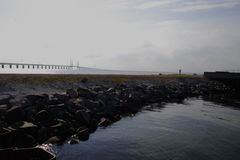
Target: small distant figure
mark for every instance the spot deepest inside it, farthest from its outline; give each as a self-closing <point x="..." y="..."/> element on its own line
<point x="180" y="71"/>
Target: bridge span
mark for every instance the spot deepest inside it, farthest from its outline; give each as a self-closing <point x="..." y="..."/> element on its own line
<point x="18" y="68"/>
<point x="35" y="66"/>
<point x="29" y="68"/>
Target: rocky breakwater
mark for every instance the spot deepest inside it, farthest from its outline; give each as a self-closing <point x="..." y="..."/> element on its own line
<point x="72" y="116"/>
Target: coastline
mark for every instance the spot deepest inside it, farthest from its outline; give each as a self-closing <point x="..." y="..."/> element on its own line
<point x="40" y="109"/>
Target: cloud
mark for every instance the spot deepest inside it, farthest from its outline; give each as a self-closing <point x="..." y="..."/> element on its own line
<point x="185" y="6"/>
<point x="132" y="37"/>
<point x="154" y="4"/>
<point x="191" y="46"/>
<point x="206" y="5"/>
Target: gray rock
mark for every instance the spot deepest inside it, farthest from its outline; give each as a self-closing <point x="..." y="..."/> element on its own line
<point x="83" y="133"/>
<point x="5" y="99"/>
<point x="38" y="100"/>
<point x="24" y="141"/>
<point x="53" y="140"/>
<point x="73" y="140"/>
<point x="43" y="117"/>
<point x="72" y="93"/>
<point x="58" y="99"/>
<point x="6" y="138"/>
<point x="24" y="127"/>
<point x="87" y="93"/>
<point x="14" y="114"/>
<point x="104" y="122"/>
<point x="62" y="128"/>
<point x="82" y="117"/>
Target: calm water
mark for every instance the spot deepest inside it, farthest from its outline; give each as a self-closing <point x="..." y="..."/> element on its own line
<point x="195" y="130"/>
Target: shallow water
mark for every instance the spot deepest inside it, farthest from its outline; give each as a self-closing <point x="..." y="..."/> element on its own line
<point x="195" y="130"/>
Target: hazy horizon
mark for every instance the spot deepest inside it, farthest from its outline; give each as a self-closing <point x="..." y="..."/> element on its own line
<point x="135" y="35"/>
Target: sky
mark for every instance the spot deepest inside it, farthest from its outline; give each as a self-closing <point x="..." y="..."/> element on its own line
<point x="141" y="35"/>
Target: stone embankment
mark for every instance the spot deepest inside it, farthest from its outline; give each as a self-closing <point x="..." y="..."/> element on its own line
<point x="72" y="116"/>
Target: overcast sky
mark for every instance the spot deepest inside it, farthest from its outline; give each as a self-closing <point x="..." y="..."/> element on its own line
<point x="149" y="35"/>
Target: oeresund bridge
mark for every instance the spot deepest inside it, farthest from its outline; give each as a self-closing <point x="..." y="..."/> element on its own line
<point x="29" y="68"/>
<point x="36" y="66"/>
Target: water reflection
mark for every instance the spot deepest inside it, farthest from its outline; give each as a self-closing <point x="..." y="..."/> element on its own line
<point x="196" y="129"/>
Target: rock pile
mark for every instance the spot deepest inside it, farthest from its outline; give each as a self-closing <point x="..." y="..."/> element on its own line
<point x="38" y="119"/>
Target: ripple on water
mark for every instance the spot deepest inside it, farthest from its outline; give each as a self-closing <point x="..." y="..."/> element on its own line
<point x="195" y="130"/>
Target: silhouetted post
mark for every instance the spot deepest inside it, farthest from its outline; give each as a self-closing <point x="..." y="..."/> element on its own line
<point x="2" y="65"/>
<point x="180" y="72"/>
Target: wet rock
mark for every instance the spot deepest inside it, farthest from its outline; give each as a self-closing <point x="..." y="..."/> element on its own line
<point x="43" y="117"/>
<point x="73" y="140"/>
<point x="110" y="90"/>
<point x="62" y="128"/>
<point x="24" y="141"/>
<point x="61" y="113"/>
<point x="5" y="99"/>
<point x="84" y="80"/>
<point x="42" y="134"/>
<point x="82" y="117"/>
<point x="30" y="113"/>
<point x="97" y="88"/>
<point x="58" y="99"/>
<point x="104" y="122"/>
<point x="53" y="140"/>
<point x="83" y="133"/>
<point x="87" y="93"/>
<point x="3" y="110"/>
<point x="6" y="138"/>
<point x="24" y="127"/>
<point x="38" y="100"/>
<point x="75" y="104"/>
<point x="72" y="93"/>
<point x="14" y="114"/>
<point x="93" y="105"/>
<point x="93" y="125"/>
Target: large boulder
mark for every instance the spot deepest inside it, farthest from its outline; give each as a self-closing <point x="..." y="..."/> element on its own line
<point x="6" y="99"/>
<point x="14" y="114"/>
<point x="72" y="93"/>
<point x="42" y="134"/>
<point x="93" y="105"/>
<point x="83" y="133"/>
<point x="62" y="128"/>
<point x="24" y="141"/>
<point x="53" y="140"/>
<point x="3" y="110"/>
<point x="38" y="100"/>
<point x="86" y="93"/>
<point x="24" y="127"/>
<point x="43" y="117"/>
<point x="61" y="113"/>
<point x="58" y="99"/>
<point x="82" y="117"/>
<point x="73" y="140"/>
<point x="6" y="138"/>
<point x="104" y="122"/>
